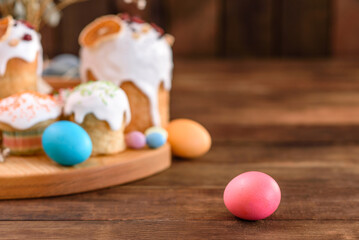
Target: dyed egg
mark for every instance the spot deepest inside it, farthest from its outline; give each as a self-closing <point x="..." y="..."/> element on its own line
<point x="188" y="138"/>
<point x="155" y="140"/>
<point x="66" y="143"/>
<point x="252" y="196"/>
<point x="157" y="129"/>
<point x="135" y="140"/>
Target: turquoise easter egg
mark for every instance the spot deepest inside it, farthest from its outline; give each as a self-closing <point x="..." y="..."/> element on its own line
<point x="66" y="143"/>
<point x="155" y="140"/>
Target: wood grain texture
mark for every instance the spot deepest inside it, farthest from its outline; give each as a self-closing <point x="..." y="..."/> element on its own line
<point x="38" y="176"/>
<point x="195" y="25"/>
<point x="305" y="28"/>
<point x="247" y="28"/>
<point x="345" y="28"/>
<point x="232" y="229"/>
<point x="245" y="105"/>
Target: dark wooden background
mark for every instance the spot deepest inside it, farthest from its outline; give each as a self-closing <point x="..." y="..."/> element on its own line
<point x="230" y="28"/>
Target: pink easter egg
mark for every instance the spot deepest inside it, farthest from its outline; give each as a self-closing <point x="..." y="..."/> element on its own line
<point x="135" y="140"/>
<point x="252" y="196"/>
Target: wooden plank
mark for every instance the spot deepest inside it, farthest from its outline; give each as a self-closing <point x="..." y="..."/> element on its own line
<point x="307" y="200"/>
<point x="195" y="25"/>
<point x="315" y="178"/>
<point x="301" y="135"/>
<point x="248" y="28"/>
<point x="247" y="95"/>
<point x="345" y="28"/>
<point x="184" y="229"/>
<point x="306" y="26"/>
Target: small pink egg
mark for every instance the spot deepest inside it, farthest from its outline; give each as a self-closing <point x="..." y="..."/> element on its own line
<point x="135" y="140"/>
<point x="252" y="196"/>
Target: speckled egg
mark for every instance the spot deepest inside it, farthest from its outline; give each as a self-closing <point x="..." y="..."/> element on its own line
<point x="252" y="196"/>
<point x="66" y="143"/>
<point x="188" y="138"/>
<point x="155" y="140"/>
<point x="157" y="129"/>
<point x="135" y="140"/>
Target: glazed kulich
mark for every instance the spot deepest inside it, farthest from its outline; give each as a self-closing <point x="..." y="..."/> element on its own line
<point x="102" y="109"/>
<point x="20" y="57"/>
<point x="23" y="118"/>
<point x="135" y="55"/>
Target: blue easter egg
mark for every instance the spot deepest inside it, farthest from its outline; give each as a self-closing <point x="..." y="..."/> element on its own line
<point x="155" y="140"/>
<point x="156" y="129"/>
<point x="66" y="143"/>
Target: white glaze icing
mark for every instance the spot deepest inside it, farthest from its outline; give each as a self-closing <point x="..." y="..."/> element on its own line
<point x="144" y="59"/>
<point x="22" y="111"/>
<point x="26" y="50"/>
<point x="103" y="99"/>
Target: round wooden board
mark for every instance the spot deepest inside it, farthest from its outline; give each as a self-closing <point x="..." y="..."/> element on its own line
<point x="38" y="176"/>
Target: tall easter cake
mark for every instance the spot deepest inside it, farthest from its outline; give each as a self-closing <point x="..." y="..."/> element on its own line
<point x="137" y="57"/>
<point x="20" y="58"/>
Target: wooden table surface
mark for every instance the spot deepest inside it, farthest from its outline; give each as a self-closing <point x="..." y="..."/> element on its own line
<point x="297" y="121"/>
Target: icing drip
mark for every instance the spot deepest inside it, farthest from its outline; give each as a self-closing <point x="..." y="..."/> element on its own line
<point x="138" y="54"/>
<point x="27" y="46"/>
<point x="103" y="99"/>
<point x="24" y="110"/>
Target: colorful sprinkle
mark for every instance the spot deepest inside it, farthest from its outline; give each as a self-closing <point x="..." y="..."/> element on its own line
<point x="17" y="105"/>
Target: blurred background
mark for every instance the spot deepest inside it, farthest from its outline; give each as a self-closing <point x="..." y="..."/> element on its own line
<point x="229" y="28"/>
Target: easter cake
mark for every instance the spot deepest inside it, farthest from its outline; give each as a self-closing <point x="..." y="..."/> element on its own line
<point x="102" y="109"/>
<point x="20" y="58"/>
<point x="137" y="57"/>
<point x="23" y="118"/>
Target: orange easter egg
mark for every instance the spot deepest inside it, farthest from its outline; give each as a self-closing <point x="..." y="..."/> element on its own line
<point x="188" y="138"/>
